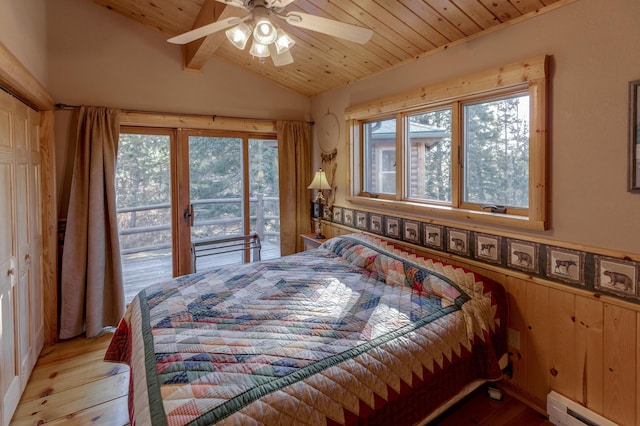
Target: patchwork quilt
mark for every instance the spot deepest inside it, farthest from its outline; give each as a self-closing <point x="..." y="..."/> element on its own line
<point x="355" y="332"/>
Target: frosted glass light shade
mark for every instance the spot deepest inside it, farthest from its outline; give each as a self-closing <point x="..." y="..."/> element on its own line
<point x="283" y="41"/>
<point x="280" y="59"/>
<point x="264" y="31"/>
<point x="259" y="50"/>
<point x="239" y="35"/>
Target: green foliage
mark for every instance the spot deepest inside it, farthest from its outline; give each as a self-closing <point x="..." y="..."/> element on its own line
<point x="143" y="178"/>
<point x="497" y="153"/>
<point x="437" y="161"/>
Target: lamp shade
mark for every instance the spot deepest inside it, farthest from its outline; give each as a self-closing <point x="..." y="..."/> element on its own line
<point x="319" y="181"/>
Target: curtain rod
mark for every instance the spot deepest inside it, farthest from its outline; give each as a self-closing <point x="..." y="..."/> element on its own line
<point x="213" y="117"/>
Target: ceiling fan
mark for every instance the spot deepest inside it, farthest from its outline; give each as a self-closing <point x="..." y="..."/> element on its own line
<point x="268" y="38"/>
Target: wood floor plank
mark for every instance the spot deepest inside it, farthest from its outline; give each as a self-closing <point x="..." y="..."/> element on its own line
<point x="111" y="413"/>
<point x="51" y="380"/>
<point x="59" y="405"/>
<point x="69" y="349"/>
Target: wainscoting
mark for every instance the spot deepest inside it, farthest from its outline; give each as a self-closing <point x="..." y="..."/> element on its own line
<point x="579" y="343"/>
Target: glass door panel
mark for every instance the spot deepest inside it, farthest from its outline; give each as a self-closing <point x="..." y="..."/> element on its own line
<point x="216" y="193"/>
<point x="264" y="195"/>
<point x="143" y="205"/>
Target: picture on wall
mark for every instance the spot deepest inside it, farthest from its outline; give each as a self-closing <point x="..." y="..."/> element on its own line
<point x="433" y="236"/>
<point x="411" y="231"/>
<point x="522" y="255"/>
<point x="616" y="275"/>
<point x="347" y="217"/>
<point x="327" y="213"/>
<point x="361" y="220"/>
<point x="337" y="214"/>
<point x="392" y="227"/>
<point x="375" y="223"/>
<point x="488" y="248"/>
<point x="565" y="265"/>
<point x="458" y="241"/>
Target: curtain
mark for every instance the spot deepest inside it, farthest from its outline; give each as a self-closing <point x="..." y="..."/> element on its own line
<point x="91" y="293"/>
<point x="294" y="174"/>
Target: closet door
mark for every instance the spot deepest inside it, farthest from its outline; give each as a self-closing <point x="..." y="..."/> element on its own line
<point x="9" y="366"/>
<point x="20" y="130"/>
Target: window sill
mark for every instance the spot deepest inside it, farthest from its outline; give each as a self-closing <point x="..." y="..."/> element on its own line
<point x="449" y="213"/>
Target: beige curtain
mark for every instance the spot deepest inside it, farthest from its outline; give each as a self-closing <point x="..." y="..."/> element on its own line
<point x="294" y="173"/>
<point x="92" y="295"/>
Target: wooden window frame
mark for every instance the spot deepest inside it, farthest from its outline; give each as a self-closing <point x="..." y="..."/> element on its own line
<point x="529" y="76"/>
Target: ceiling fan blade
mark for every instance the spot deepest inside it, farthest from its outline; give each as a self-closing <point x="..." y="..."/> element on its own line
<point x="235" y="3"/>
<point x="329" y="26"/>
<point x="205" y="30"/>
<point x="276" y="3"/>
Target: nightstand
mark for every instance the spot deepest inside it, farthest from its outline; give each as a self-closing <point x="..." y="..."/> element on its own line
<point x="311" y="242"/>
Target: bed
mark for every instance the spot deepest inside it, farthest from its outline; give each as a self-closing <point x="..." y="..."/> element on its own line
<point x="358" y="331"/>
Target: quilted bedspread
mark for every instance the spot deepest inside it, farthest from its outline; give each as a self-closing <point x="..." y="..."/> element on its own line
<point x="355" y="332"/>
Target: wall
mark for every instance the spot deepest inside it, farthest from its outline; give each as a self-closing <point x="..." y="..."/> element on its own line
<point x="560" y="339"/>
<point x="594" y="56"/>
<point x="98" y="57"/>
<point x="23" y="31"/>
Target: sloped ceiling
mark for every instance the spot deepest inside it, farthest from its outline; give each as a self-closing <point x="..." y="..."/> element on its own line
<point x="404" y="30"/>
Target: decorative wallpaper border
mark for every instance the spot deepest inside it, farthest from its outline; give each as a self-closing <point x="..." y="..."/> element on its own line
<point x="591" y="271"/>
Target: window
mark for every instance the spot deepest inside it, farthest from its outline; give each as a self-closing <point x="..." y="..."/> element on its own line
<point x="380" y="156"/>
<point x="496" y="152"/>
<point x="429" y="156"/>
<point x="471" y="149"/>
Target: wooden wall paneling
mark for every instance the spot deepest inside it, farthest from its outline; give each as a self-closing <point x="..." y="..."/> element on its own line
<point x="592" y="342"/>
<point x="621" y="373"/>
<point x="517" y="296"/>
<point x="538" y="343"/>
<point x="49" y="227"/>
<point x="562" y="371"/>
<point x="36" y="256"/>
<point x="589" y="353"/>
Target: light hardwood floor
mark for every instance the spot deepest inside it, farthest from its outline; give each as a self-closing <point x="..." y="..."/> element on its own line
<point x="71" y="385"/>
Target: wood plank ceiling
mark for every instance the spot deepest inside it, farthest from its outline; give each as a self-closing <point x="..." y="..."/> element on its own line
<point x="404" y="30"/>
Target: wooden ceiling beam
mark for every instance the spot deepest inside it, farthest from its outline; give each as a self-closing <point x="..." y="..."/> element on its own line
<point x="197" y="52"/>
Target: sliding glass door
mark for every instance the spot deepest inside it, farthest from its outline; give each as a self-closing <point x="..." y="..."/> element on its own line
<point x="175" y="187"/>
<point x="233" y="191"/>
<point x="143" y="205"/>
<point x="216" y="186"/>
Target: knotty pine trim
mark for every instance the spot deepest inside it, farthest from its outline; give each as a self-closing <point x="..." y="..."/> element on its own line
<point x="16" y="78"/>
<point x="185" y="121"/>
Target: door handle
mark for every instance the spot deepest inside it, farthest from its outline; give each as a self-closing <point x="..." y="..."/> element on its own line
<point x="187" y="215"/>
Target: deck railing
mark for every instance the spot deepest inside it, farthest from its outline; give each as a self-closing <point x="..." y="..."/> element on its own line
<point x="161" y="222"/>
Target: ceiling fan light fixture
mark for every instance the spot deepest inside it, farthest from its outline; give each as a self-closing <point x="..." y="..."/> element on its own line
<point x="259" y="50"/>
<point x="264" y="32"/>
<point x="280" y="59"/>
<point x="239" y="35"/>
<point x="283" y="41"/>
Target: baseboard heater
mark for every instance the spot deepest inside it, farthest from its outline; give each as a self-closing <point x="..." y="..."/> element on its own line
<point x="565" y="412"/>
